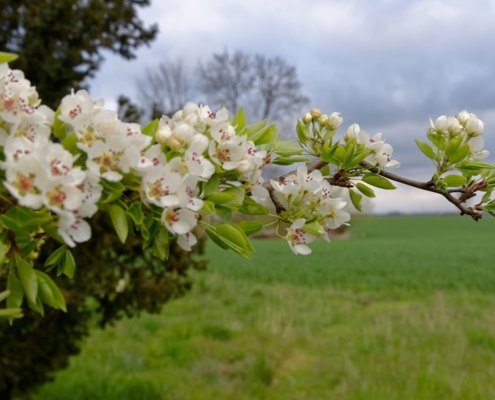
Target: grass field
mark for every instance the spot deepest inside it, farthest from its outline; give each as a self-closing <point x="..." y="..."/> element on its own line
<point x="403" y="310"/>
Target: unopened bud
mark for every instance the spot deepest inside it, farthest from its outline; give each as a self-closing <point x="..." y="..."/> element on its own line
<point x="163" y="134"/>
<point x="455" y="128"/>
<point x="441" y="125"/>
<point x="307" y="118"/>
<point x="463" y="117"/>
<point x="174" y="144"/>
<point x="474" y="126"/>
<point x="323" y="120"/>
<point x="315" y="112"/>
<point x="334" y="121"/>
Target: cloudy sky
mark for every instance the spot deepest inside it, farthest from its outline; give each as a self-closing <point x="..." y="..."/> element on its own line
<point x="386" y="64"/>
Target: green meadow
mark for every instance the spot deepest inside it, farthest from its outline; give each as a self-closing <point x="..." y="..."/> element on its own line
<point x="404" y="309"/>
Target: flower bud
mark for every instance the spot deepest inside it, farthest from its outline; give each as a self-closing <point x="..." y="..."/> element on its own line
<point x="334" y="121"/>
<point x="455" y="128"/>
<point x="474" y="126"/>
<point x="352" y="132"/>
<point x="463" y="117"/>
<point x="307" y="118"/>
<point x="323" y="120"/>
<point x="163" y="134"/>
<point x="315" y="113"/>
<point x="441" y="125"/>
<point x="174" y="144"/>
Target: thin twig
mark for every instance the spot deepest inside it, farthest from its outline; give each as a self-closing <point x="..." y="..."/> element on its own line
<point x="427" y="186"/>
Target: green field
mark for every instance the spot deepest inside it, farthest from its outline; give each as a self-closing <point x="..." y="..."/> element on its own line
<point x="405" y="309"/>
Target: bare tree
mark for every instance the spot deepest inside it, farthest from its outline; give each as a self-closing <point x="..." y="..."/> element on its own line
<point x="277" y="87"/>
<point x="226" y="79"/>
<point x="165" y="89"/>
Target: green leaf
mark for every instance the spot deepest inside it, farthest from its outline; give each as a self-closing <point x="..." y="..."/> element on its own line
<point x="11" y="313"/>
<point x="287" y="148"/>
<point x="21" y="218"/>
<point x="251" y="227"/>
<point x="251" y="207"/>
<point x="70" y="143"/>
<point x="454" y="180"/>
<point x="55" y="257"/>
<point x="265" y="135"/>
<point x="58" y="298"/>
<point x="438" y="140"/>
<point x="250" y="130"/>
<point x="217" y="239"/>
<point x="357" y="158"/>
<point x="426" y="149"/>
<point x="314" y="228"/>
<point x="327" y="153"/>
<point x="366" y="190"/>
<point x="161" y="244"/>
<point x="221" y="198"/>
<point x="473" y="167"/>
<point x="378" y="181"/>
<point x="239" y="120"/>
<point x="136" y="213"/>
<point x="289" y="160"/>
<point x="302" y="132"/>
<point x="2" y="253"/>
<point x="116" y="189"/>
<point x="67" y="265"/>
<point x="45" y="293"/>
<point x="234" y="239"/>
<point x="453" y="146"/>
<point x="59" y="127"/>
<point x="16" y="295"/>
<point x="208" y="207"/>
<point x="356" y="199"/>
<point x="28" y="280"/>
<point x="461" y="153"/>
<point x="119" y="220"/>
<point x="349" y="154"/>
<point x="212" y="185"/>
<point x="7" y="57"/>
<point x="151" y="128"/>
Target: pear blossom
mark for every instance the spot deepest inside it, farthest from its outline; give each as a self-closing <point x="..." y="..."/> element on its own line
<point x="211" y="119"/>
<point x="455" y="127"/>
<point x="73" y="228"/>
<point x="288" y="185"/>
<point x="383" y="155"/>
<point x="474" y="126"/>
<point x="441" y="125"/>
<point x="180" y="221"/>
<point x="161" y="187"/>
<point x="227" y="155"/>
<point x="298" y="238"/>
<point x="187" y="194"/>
<point x="476" y="144"/>
<point x="186" y="240"/>
<point x="334" y="216"/>
<point x="310" y="182"/>
<point x="196" y="163"/>
<point x="334" y="121"/>
<point x="224" y="133"/>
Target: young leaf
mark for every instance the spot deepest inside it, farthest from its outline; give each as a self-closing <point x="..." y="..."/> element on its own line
<point x="250" y="130"/>
<point x="314" y="228"/>
<point x="251" y="207"/>
<point x="67" y="265"/>
<point x="7" y="57"/>
<point x="28" y="280"/>
<point x="455" y="180"/>
<point x="265" y="136"/>
<point x="302" y="132"/>
<point x="250" y="227"/>
<point x="378" y="181"/>
<point x="234" y="239"/>
<point x="211" y="186"/>
<point x="151" y="128"/>
<point x="356" y="199"/>
<point x="289" y="160"/>
<point x="161" y="244"/>
<point x="221" y="198"/>
<point x="239" y="120"/>
<point x="70" y="143"/>
<point x="119" y="220"/>
<point x="136" y="213"/>
<point x="286" y="148"/>
<point x="16" y="295"/>
<point x="461" y="153"/>
<point x="45" y="293"/>
<point x="55" y="257"/>
<point x="438" y="140"/>
<point x="426" y="149"/>
<point x="364" y="189"/>
<point x="58" y="298"/>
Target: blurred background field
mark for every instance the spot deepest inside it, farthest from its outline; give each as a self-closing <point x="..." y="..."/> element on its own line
<point x="404" y="309"/>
